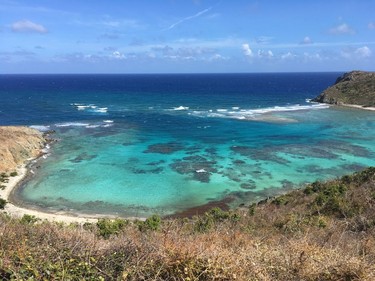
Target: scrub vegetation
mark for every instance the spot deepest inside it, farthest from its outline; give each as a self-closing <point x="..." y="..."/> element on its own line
<point x="325" y="231"/>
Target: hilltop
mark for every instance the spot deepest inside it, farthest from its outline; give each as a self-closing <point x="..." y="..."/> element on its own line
<point x="352" y="88"/>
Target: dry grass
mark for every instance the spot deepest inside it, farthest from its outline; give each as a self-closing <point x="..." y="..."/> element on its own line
<point x="326" y="232"/>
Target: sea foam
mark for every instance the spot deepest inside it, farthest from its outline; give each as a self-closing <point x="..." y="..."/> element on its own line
<point x="90" y="108"/>
<point x="255" y="114"/>
<point x="40" y="128"/>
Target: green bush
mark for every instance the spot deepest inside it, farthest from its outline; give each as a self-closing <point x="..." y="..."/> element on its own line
<point x="28" y="219"/>
<point x="213" y="217"/>
<point x="252" y="208"/>
<point x="281" y="200"/>
<point x="331" y="201"/>
<point x="107" y="227"/>
<point x="13" y="174"/>
<point x="2" y="203"/>
<point x="152" y="223"/>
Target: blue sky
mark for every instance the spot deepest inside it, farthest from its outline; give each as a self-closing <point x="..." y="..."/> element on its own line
<point x="186" y="36"/>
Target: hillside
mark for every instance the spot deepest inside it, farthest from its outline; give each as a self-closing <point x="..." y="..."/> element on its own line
<point x="356" y="88"/>
<point x="18" y="144"/>
<point x="323" y="232"/>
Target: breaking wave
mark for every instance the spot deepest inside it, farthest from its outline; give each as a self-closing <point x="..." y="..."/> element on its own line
<point x="267" y="113"/>
<point x="90" y="108"/>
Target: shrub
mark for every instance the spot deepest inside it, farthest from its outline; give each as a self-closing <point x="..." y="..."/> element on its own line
<point x="281" y="200"/>
<point x="13" y="174"/>
<point x="152" y="223"/>
<point x="213" y="217"/>
<point x="2" y="203"/>
<point x="107" y="227"/>
<point x="252" y="209"/>
<point x="28" y="219"/>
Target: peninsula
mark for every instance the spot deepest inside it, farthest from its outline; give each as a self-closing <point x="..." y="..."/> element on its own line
<point x="355" y="89"/>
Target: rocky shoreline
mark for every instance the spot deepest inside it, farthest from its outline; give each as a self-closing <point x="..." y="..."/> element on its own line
<point x="353" y="89"/>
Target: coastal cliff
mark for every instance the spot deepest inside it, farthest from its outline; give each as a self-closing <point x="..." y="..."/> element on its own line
<point x="354" y="88"/>
<point x="18" y="144"/>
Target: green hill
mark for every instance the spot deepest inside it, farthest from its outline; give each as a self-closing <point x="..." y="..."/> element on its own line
<point x="356" y="88"/>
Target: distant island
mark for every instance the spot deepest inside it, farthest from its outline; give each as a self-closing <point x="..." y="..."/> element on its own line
<point x="355" y="88"/>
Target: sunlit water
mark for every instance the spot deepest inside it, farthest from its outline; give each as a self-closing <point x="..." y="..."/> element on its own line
<point x="143" y="144"/>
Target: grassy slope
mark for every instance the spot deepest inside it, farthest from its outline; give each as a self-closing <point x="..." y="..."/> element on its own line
<point x="324" y="232"/>
<point x="356" y="87"/>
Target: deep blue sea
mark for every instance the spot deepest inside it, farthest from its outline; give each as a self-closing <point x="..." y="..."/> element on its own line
<point x="134" y="145"/>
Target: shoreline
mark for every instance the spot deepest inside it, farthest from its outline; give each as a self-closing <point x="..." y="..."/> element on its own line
<point x="355" y="106"/>
<point x="18" y="212"/>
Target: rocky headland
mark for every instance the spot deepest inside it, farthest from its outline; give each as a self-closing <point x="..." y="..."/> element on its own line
<point x="17" y="144"/>
<point x="353" y="88"/>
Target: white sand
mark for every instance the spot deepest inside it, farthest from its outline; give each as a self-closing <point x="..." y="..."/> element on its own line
<point x="16" y="211"/>
<point x="356" y="106"/>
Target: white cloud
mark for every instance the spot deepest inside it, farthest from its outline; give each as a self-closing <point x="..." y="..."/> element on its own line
<point x="314" y="57"/>
<point x="263" y="39"/>
<point x="363" y="52"/>
<point x="371" y="25"/>
<point x="247" y="51"/>
<point x="287" y="56"/>
<point x="217" y="57"/>
<point x="306" y="41"/>
<point x="359" y="53"/>
<point x="342" y="29"/>
<point x="265" y="54"/>
<point x="28" y="26"/>
<point x="118" y="55"/>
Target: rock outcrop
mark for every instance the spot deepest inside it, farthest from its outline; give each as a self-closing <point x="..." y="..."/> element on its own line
<point x="356" y="88"/>
<point x="18" y="144"/>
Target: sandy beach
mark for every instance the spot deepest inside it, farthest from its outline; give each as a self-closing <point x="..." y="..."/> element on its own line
<point x="16" y="211"/>
<point x="356" y="106"/>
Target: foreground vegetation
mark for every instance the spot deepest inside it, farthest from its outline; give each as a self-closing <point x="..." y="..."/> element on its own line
<point x="323" y="232"/>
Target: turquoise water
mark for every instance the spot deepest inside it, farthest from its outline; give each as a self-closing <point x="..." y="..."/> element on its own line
<point x="132" y="153"/>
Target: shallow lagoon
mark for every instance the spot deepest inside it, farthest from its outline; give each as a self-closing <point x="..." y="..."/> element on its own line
<point x="137" y="145"/>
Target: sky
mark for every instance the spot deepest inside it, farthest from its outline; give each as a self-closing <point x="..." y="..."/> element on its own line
<point x="186" y="36"/>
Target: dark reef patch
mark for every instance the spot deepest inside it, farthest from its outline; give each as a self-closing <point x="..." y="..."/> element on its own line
<point x="156" y="163"/>
<point x="157" y="170"/>
<point x="164" y="148"/>
<point x="263" y="154"/>
<point x="198" y="167"/>
<point x="83" y="157"/>
<point x="250" y="184"/>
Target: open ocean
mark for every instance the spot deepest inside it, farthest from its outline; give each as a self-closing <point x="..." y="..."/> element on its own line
<point x="134" y="145"/>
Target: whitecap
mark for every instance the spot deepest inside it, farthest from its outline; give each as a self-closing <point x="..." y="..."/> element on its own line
<point x="40" y="128"/>
<point x="108" y="121"/>
<point x="181" y="108"/>
<point x="72" y="124"/>
<point x="201" y="171"/>
<point x="255" y="114"/>
<point x="101" y="109"/>
<point x="92" y="126"/>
